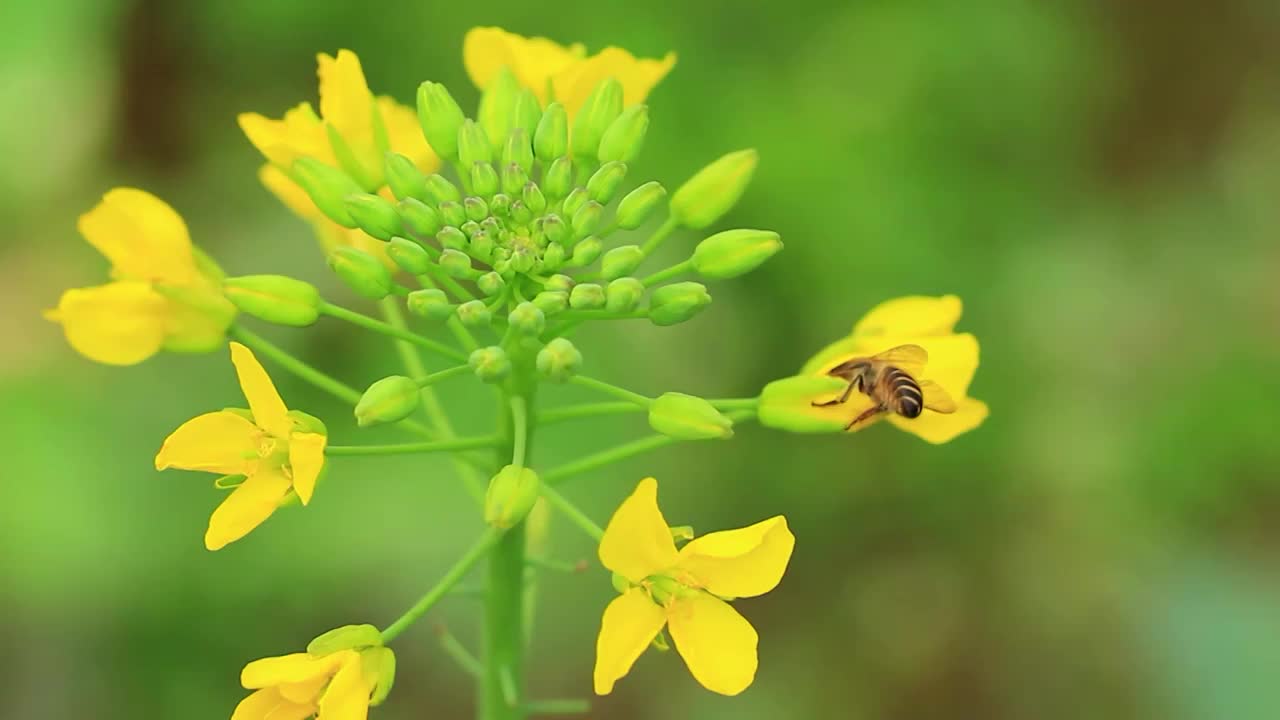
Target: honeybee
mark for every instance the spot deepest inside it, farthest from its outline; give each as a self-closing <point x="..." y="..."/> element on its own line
<point x="889" y="379"/>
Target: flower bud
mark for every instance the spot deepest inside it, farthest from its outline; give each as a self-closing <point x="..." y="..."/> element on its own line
<point x="554" y="229"/>
<point x="451" y="238"/>
<point x="362" y="272"/>
<point x="732" y="253"/>
<point x="482" y="245"/>
<point x="440" y="117"/>
<point x="484" y="180"/>
<point x="375" y="215"/>
<point x="379" y="663"/>
<point x="490" y="283"/>
<point x="625" y="136"/>
<point x="514" y="178"/>
<point x="524" y="255"/>
<point x="586" y="296"/>
<point x="533" y="198"/>
<point x="517" y="163"/>
<point x="327" y="187"/>
<point x="347" y="637"/>
<point x="551" y="138"/>
<point x="274" y="298"/>
<point x="620" y="261"/>
<point x="473" y="144"/>
<point x="475" y="208"/>
<point x="688" y="418"/>
<point x="709" y="194"/>
<point x="553" y="257"/>
<point x="601" y="107"/>
<point x="429" y="303"/>
<point x="474" y="313"/>
<point x="528" y="319"/>
<point x="510" y="497"/>
<point x="404" y="178"/>
<point x="388" y="400"/>
<point x="586" y="252"/>
<point x="525" y="116"/>
<point x="452" y="213"/>
<point x="603" y="184"/>
<point x="587" y="219"/>
<point x="520" y="214"/>
<point x="675" y="303"/>
<point x="575" y="201"/>
<point x="439" y="189"/>
<point x="551" y="302"/>
<point x="557" y="179"/>
<point x="559" y="282"/>
<point x="456" y="264"/>
<point x="500" y="205"/>
<point x="409" y="256"/>
<point x="639" y="204"/>
<point x="497" y="103"/>
<point x="787" y="404"/>
<point x="623" y="294"/>
<point x="420" y="219"/>
<point x="490" y="363"/>
<point x="559" y="360"/>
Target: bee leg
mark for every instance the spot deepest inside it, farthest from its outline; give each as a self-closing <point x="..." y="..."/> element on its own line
<point x="844" y="397"/>
<point x="865" y="414"/>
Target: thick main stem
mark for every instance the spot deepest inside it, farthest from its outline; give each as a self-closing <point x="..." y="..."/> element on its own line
<point x="501" y="685"/>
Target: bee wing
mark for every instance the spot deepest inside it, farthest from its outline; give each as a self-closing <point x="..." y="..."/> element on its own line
<point x="935" y="398"/>
<point x="911" y="358"/>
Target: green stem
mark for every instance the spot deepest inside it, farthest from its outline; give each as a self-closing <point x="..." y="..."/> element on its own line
<point x="304" y="371"/>
<point x="412" y="448"/>
<point x="520" y="431"/>
<point x="676" y="270"/>
<point x="605" y="457"/>
<point x="556" y="565"/>
<point x="602" y="315"/>
<point x="566" y="706"/>
<point x="448" y="281"/>
<point x="659" y="236"/>
<point x="574" y="412"/>
<point x="458" y="653"/>
<point x="446" y="583"/>
<point x="389" y="330"/>
<point x="736" y="403"/>
<point x="442" y="375"/>
<point x="571" y="511"/>
<point x="611" y="389"/>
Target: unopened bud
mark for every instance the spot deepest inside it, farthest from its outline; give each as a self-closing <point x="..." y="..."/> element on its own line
<point x="533" y="198"/>
<point x="362" y="272"/>
<point x="551" y="302"/>
<point x="439" y="189"/>
<point x="419" y="218"/>
<point x="484" y="179"/>
<point x="497" y="103"/>
<point x="587" y="219"/>
<point x="621" y="261"/>
<point x="675" y="303"/>
<point x="551" y="138"/>
<point x="451" y="238"/>
<point x="709" y="194"/>
<point x="688" y="418"/>
<point x="456" y="264"/>
<point x="574" y="202"/>
<point x="475" y="208"/>
<point x="559" y="360"/>
<point x="625" y="136"/>
<point x="473" y="144"/>
<point x="440" y="117"/>
<point x="586" y="252"/>
<point x="274" y="298"/>
<point x="586" y="296"/>
<point x="639" y="204"/>
<point x="555" y="229"/>
<point x="327" y="187"/>
<point x="604" y="183"/>
<point x="528" y="319"/>
<point x="524" y="255"/>
<point x="732" y="253"/>
<point x="520" y="214"/>
<point x="474" y="313"/>
<point x="623" y="294"/>
<point x="429" y="303"/>
<point x="452" y="213"/>
<point x="553" y="257"/>
<point x="500" y="205"/>
<point x="600" y="109"/>
<point x="559" y="282"/>
<point x="490" y="283"/>
<point x="482" y="245"/>
<point x="388" y="400"/>
<point x="347" y="637"/>
<point x="375" y="215"/>
<point x="514" y="178"/>
<point x="511" y="495"/>
<point x="409" y="256"/>
<point x="525" y="116"/>
<point x="404" y="178"/>
<point x="490" y="364"/>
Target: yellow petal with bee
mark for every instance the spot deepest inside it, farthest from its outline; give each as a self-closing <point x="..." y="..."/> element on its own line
<point x="219" y="442"/>
<point x="247" y="507"/>
<point x="738" y="563"/>
<point x="629" y="624"/>
<point x="716" y="642"/>
<point x="939" y="428"/>
<point x="269" y="411"/>
<point x="953" y="361"/>
<point x="637" y="543"/>
<point x="911" y="315"/>
<point x="788" y="404"/>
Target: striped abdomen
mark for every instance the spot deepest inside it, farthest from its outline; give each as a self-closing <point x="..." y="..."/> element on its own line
<point x="902" y="393"/>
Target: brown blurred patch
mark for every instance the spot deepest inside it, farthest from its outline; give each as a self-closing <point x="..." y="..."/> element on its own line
<point x="154" y="82"/>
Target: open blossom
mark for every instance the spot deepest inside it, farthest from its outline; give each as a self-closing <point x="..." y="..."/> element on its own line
<point x="687" y="591"/>
<point x="926" y="322"/>
<point x="164" y="293"/>
<point x="558" y="73"/>
<point x="337" y="685"/>
<point x="266" y="453"/>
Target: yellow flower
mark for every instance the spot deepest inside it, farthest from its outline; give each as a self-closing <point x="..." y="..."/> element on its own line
<point x="928" y="322"/>
<point x="686" y="590"/>
<point x="275" y="450"/>
<point x="164" y="294"/>
<point x="335" y="686"/>
<point x="555" y="72"/>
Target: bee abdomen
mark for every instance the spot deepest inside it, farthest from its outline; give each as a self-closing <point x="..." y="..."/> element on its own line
<point x="908" y="400"/>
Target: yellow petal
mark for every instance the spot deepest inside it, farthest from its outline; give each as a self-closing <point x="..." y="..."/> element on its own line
<point x="246" y="508"/>
<point x="218" y="442"/>
<point x="269" y="704"/>
<point x="346" y="105"/>
<point x="637" y="76"/>
<point x="347" y="697"/>
<point x="486" y="50"/>
<point x="306" y="458"/>
<point x="121" y="323"/>
<point x="953" y="361"/>
<point x="269" y="412"/>
<point x="740" y="563"/>
<point x="299" y="134"/>
<point x="717" y="643"/>
<point x="637" y="543"/>
<point x="289" y="192"/>
<point x="141" y="235"/>
<point x="788" y="404"/>
<point x="306" y="692"/>
<point x="938" y="428"/>
<point x="292" y="668"/>
<point x="404" y="133"/>
<point x="911" y="315"/>
<point x="629" y="624"/>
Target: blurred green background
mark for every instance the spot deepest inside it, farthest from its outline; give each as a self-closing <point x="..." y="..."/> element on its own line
<point x="1100" y="182"/>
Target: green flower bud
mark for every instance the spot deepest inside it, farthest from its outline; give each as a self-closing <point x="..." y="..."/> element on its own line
<point x="621" y="261"/>
<point x="787" y="404"/>
<point x="429" y="303"/>
<point x="520" y="214"/>
<point x="517" y="151"/>
<point x="586" y="252"/>
<point x="473" y="144"/>
<point x="675" y="303"/>
<point x="490" y="364"/>
<point x="362" y="272"/>
<point x="559" y="360"/>
<point x="709" y="194"/>
<point x="347" y="637"/>
<point x="388" y="400"/>
<point x="470" y="228"/>
<point x="511" y="495"/>
<point x="419" y="218"/>
<point x="688" y="418"/>
<point x="533" y="198"/>
<point x="586" y="296"/>
<point x="625" y="136"/>
<point x="500" y="205"/>
<point x="559" y="282"/>
<point x="600" y="109"/>
<point x="475" y="208"/>
<point x="452" y="213"/>
<point x="557" y="179"/>
<point x="484" y="180"/>
<point x="587" y="219"/>
<point x="328" y="188"/>
<point x="575" y="201"/>
<point x="604" y="183"/>
<point x="375" y="215"/>
<point x="526" y="318"/>
<point x="474" y="313"/>
<point x="639" y="204"/>
<point x="274" y="298"/>
<point x="451" y="238"/>
<point x="623" y="294"/>
<point x="553" y="257"/>
<point x="379" y="663"/>
<point x="490" y="283"/>
<point x="497" y="104"/>
<point x="439" y="190"/>
<point x="551" y="302"/>
<point x="409" y="256"/>
<point x="482" y="245"/>
<point x="525" y="116"/>
<point x="456" y="264"/>
<point x="404" y="178"/>
<point x="514" y="178"/>
<point x="551" y="139"/>
<point x="732" y="253"/>
<point x="555" y="229"/>
<point x="524" y="255"/>
<point x="440" y="117"/>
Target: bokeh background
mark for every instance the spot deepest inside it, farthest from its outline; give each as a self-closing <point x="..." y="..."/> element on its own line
<point x="1100" y="182"/>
